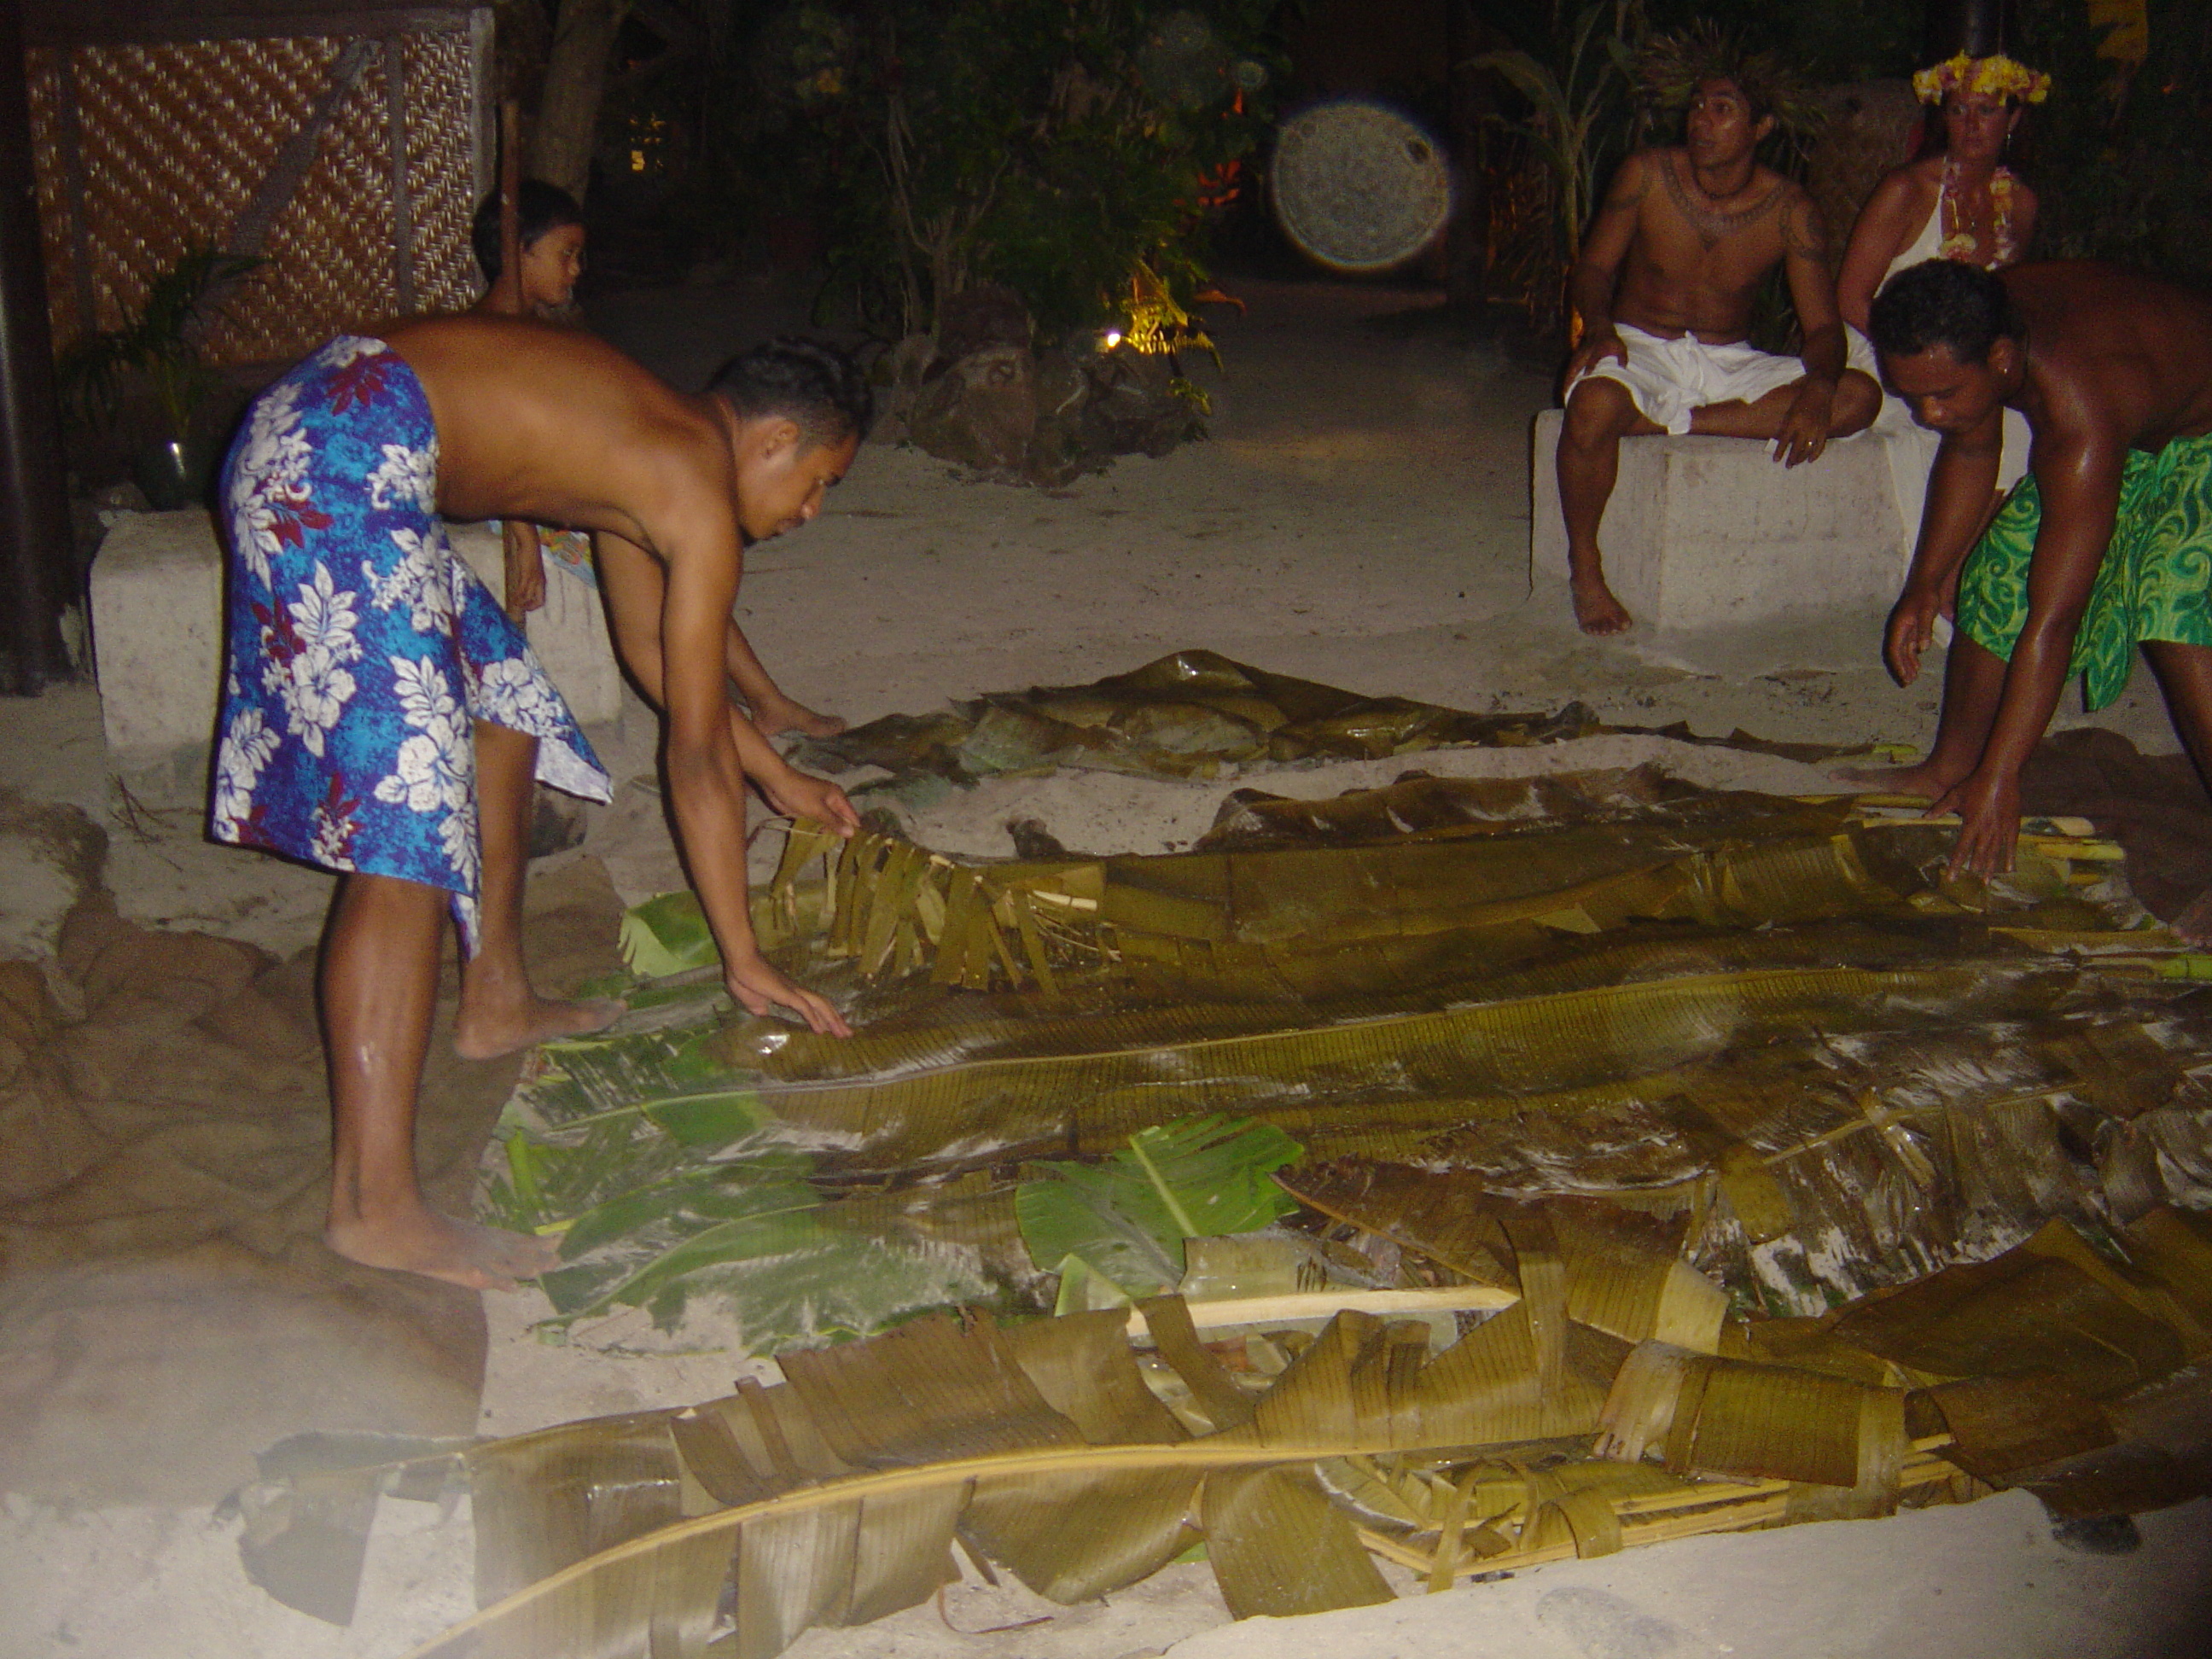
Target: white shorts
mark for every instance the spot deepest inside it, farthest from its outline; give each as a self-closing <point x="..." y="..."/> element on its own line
<point x="1669" y="379"/>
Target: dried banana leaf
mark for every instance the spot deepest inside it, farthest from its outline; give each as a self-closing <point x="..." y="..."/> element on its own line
<point x="2022" y="1312"/>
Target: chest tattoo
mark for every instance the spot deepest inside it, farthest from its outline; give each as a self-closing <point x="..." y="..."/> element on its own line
<point x="1711" y="225"/>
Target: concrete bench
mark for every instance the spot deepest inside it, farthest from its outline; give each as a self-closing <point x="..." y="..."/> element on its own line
<point x="1704" y="532"/>
<point x="157" y="587"/>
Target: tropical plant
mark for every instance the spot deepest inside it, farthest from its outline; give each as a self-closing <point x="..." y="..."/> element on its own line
<point x="1052" y="147"/>
<point x="1579" y="87"/>
<point x="158" y="344"/>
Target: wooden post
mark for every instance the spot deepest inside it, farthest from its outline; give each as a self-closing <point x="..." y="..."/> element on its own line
<point x="38" y="554"/>
<point x="1980" y="28"/>
<point x="507" y="292"/>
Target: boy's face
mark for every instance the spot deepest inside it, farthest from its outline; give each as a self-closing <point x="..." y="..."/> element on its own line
<point x="550" y="266"/>
<point x="783" y="479"/>
<point x="1721" y="131"/>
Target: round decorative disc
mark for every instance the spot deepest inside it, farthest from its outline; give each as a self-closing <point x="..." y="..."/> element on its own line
<point x="1358" y="186"/>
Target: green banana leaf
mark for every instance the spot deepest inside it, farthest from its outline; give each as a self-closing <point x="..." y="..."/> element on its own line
<point x="1124" y="1218"/>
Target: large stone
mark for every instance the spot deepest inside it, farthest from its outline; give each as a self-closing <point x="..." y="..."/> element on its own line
<point x="157" y="588"/>
<point x="157" y="632"/>
<point x="1704" y="532"/>
<point x="982" y="410"/>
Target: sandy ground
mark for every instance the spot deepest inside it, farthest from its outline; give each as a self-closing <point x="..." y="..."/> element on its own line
<point x="1360" y="517"/>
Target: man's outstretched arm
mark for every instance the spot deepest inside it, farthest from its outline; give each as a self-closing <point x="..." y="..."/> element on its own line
<point x="2078" y="472"/>
<point x="636" y="594"/>
<point x="1959" y="485"/>
<point x="1591" y="284"/>
<point x="1804" y="432"/>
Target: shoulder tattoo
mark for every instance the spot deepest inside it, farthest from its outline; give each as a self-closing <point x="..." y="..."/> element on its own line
<point x="1802" y="232"/>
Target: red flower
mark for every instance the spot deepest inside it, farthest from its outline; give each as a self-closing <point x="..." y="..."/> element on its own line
<point x="361" y="381"/>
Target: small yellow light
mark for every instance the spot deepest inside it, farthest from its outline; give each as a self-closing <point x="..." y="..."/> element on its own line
<point x="637" y="161"/>
<point x="1112" y="338"/>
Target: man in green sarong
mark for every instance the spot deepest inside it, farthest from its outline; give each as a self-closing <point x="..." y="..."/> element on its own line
<point x="2106" y="544"/>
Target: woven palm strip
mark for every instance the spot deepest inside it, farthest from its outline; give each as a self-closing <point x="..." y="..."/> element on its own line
<point x="441" y="170"/>
<point x="330" y="247"/>
<point x="178" y="137"/>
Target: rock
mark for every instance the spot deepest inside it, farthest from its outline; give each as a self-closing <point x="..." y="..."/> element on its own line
<point x="982" y="411"/>
<point x="51" y="857"/>
<point x="979" y="317"/>
<point x="1131" y="408"/>
<point x="898" y="375"/>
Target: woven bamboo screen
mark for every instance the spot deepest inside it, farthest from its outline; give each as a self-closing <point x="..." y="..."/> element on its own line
<point x="145" y="151"/>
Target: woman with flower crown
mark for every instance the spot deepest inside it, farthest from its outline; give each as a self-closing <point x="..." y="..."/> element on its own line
<point x="1960" y="202"/>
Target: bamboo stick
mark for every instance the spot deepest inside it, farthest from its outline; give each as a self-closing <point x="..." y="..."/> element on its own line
<point x="1322" y="1304"/>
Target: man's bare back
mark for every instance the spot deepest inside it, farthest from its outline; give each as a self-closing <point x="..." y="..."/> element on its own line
<point x="555" y="426"/>
<point x="2114" y="351"/>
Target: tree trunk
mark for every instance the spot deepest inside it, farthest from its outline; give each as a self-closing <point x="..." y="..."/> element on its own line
<point x="37" y="552"/>
<point x="1466" y="241"/>
<point x="575" y="75"/>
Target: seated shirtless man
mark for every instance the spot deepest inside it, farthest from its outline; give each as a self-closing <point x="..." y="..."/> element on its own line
<point x="2105" y="544"/>
<point x="383" y="718"/>
<point x="1664" y="290"/>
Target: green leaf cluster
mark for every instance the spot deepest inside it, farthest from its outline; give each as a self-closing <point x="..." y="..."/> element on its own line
<point x="1124" y="1218"/>
<point x="158" y="342"/>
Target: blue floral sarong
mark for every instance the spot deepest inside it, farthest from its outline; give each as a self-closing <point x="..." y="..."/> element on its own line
<point x="360" y="647"/>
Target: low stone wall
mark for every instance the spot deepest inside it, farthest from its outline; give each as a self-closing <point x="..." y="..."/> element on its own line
<point x="1706" y="533"/>
<point x="157" y="589"/>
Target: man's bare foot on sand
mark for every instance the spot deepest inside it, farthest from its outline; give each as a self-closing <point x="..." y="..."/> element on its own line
<point x="1923" y="780"/>
<point x="774" y="719"/>
<point x="1596" y="611"/>
<point x="417" y="1239"/>
<point x="487" y="1034"/>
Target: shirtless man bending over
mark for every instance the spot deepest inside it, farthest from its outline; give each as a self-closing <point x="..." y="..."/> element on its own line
<point x="1665" y="287"/>
<point x="2105" y="544"/>
<point x="383" y="718"/>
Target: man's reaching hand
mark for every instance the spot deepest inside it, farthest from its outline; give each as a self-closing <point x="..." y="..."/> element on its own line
<point x="1804" y="432"/>
<point x="798" y="794"/>
<point x="758" y="986"/>
<point x="1988" y="805"/>
<point x="1598" y="343"/>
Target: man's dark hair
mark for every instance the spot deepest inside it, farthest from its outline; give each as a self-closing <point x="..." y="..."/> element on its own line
<point x="542" y="207"/>
<point x="816" y="385"/>
<point x="1945" y="303"/>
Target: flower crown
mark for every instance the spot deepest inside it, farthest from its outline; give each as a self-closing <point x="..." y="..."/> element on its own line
<point x="1999" y="78"/>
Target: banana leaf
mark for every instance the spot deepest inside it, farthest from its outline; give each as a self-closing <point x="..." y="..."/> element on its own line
<point x="1124" y="1219"/>
<point x="666" y="935"/>
<point x="852" y="1479"/>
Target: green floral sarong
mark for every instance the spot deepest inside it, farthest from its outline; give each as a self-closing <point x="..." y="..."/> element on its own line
<point x="2156" y="582"/>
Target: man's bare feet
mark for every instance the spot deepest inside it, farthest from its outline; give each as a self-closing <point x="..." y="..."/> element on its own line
<point x="489" y="1033"/>
<point x="774" y="719"/>
<point x="1596" y="611"/>
<point x="417" y="1239"/>
<point x="1923" y="780"/>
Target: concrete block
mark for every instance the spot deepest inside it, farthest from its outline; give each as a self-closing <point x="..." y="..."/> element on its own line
<point x="157" y="632"/>
<point x="1704" y="532"/>
<point x="157" y="619"/>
